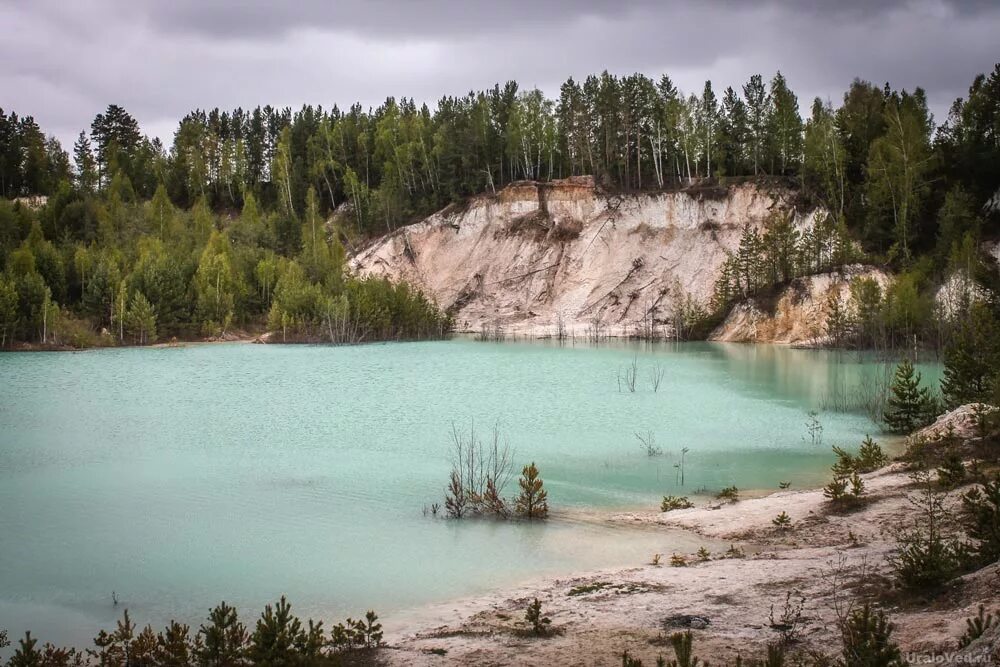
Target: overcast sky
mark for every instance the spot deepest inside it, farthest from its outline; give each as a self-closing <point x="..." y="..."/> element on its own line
<point x="66" y="60"/>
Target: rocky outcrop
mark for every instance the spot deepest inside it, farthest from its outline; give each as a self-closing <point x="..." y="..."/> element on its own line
<point x="962" y="422"/>
<point x="797" y="314"/>
<point x="537" y="258"/>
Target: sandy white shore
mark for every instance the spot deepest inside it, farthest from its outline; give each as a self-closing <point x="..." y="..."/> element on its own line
<point x="727" y="601"/>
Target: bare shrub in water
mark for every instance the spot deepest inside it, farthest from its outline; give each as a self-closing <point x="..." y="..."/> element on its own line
<point x="656" y="376"/>
<point x="629" y="376"/>
<point x="647" y="441"/>
<point x="479" y="473"/>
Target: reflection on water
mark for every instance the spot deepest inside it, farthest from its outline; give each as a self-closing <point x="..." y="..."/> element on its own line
<point x="181" y="477"/>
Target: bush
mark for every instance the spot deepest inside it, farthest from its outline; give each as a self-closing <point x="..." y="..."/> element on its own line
<point x="539" y="622"/>
<point x="870" y="457"/>
<point x="981" y="519"/>
<point x="675" y="503"/>
<point x="845" y="492"/>
<point x="730" y="494"/>
<point x="678" y="561"/>
<point x="867" y="639"/>
<point x="681" y="642"/>
<point x="924" y="558"/>
<point x="782" y="521"/>
<point x="975" y="627"/>
<point x="951" y="472"/>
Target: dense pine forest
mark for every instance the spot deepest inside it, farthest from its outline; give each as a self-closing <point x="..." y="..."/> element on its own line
<point x="228" y="227"/>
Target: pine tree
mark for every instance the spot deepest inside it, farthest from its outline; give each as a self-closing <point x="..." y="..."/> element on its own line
<point x="533" y="501"/>
<point x="971" y="359"/>
<point x="910" y="405"/>
<point x="222" y="643"/>
<point x="277" y="636"/>
<point x="867" y="639"/>
<point x="86" y="167"/>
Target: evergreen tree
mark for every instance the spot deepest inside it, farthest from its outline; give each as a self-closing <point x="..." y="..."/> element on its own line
<point x="86" y="169"/>
<point x="222" y="642"/>
<point x="972" y="359"/>
<point x="532" y="503"/>
<point x="910" y="406"/>
<point x="277" y="637"/>
<point x="867" y="639"/>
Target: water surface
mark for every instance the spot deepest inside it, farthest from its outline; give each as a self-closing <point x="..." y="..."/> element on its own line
<point x="178" y="477"/>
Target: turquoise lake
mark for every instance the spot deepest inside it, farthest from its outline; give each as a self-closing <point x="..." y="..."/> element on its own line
<point x="179" y="477"/>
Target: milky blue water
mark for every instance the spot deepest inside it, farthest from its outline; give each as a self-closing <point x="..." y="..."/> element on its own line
<point x="179" y="477"/>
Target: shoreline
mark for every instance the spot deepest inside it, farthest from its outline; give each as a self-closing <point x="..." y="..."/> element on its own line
<point x="726" y="601"/>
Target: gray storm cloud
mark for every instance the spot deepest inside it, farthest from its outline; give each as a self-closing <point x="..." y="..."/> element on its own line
<point x="67" y="61"/>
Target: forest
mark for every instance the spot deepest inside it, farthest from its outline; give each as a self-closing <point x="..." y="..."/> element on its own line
<point x="227" y="227"/>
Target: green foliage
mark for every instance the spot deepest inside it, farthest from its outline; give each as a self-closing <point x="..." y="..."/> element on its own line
<point x="675" y="503"/>
<point x="279" y="638"/>
<point x="536" y="619"/>
<point x="952" y="472"/>
<point x="682" y="645"/>
<point x="925" y="558"/>
<point x="140" y="320"/>
<point x="910" y="406"/>
<point x="729" y="494"/>
<point x="309" y="179"/>
<point x="845" y="491"/>
<point x="532" y="503"/>
<point x="972" y="359"/>
<point x="677" y="560"/>
<point x="976" y="626"/>
<point x="222" y="641"/>
<point x="782" y="521"/>
<point x="981" y="519"/>
<point x="867" y="639"/>
<point x="870" y="456"/>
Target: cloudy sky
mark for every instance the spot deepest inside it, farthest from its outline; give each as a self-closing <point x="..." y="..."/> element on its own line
<point x="65" y="60"/>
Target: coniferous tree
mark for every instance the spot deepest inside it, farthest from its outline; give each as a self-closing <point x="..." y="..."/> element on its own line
<point x="532" y="503"/>
<point x="910" y="406"/>
<point x="867" y="639"/>
<point x="972" y="359"/>
<point x="222" y="642"/>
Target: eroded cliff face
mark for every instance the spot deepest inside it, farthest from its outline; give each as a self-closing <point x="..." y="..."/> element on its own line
<point x="537" y="256"/>
<point x="798" y="314"/>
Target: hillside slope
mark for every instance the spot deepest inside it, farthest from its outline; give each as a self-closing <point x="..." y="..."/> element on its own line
<point x="537" y="257"/>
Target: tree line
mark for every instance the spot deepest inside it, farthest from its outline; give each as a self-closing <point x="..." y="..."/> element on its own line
<point x="279" y="637"/>
<point x="265" y="180"/>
